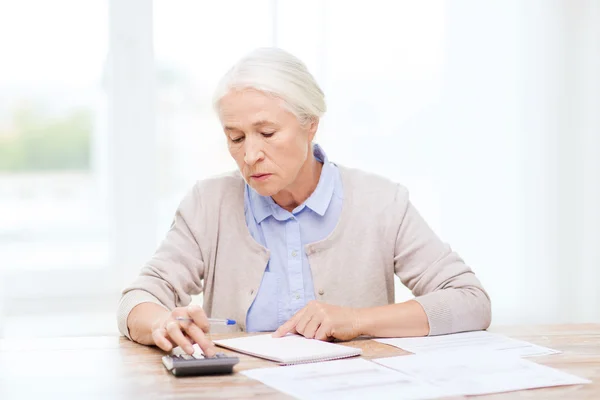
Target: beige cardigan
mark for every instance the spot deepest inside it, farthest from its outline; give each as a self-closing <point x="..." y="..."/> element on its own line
<point x="379" y="234"/>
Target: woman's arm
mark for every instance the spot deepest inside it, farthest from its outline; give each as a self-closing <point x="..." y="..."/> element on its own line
<point x="394" y="320"/>
<point x="325" y="321"/>
<point x="169" y="279"/>
<point x="448" y="291"/>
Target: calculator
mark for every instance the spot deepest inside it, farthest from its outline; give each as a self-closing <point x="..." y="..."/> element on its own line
<point x="183" y="364"/>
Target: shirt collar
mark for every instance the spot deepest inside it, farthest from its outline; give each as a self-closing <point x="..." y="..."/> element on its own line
<point x="264" y="206"/>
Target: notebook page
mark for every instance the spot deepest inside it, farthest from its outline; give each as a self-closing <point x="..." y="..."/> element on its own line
<point x="291" y="349"/>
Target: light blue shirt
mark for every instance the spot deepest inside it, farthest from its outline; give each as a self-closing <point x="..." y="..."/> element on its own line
<point x="287" y="283"/>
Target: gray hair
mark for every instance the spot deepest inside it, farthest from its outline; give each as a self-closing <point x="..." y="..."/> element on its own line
<point x="275" y="72"/>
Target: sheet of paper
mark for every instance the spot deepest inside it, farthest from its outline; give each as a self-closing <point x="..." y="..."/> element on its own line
<point x="463" y="373"/>
<point x="348" y="379"/>
<point x="469" y="341"/>
<point x="290" y="349"/>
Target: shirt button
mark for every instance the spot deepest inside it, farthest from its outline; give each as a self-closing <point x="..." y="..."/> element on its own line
<point x="297" y="297"/>
<point x="321" y="292"/>
<point x="294" y="254"/>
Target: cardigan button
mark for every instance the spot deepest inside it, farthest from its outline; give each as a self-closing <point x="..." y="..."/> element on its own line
<point x="251" y="292"/>
<point x="321" y="292"/>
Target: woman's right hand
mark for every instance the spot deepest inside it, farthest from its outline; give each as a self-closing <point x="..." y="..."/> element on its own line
<point x="168" y="332"/>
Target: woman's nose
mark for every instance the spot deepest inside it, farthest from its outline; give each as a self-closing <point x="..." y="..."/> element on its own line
<point x="253" y="152"/>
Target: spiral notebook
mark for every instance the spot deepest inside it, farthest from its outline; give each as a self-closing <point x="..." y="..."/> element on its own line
<point x="291" y="349"/>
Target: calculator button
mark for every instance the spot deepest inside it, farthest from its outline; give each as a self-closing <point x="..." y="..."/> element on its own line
<point x="187" y="357"/>
<point x="197" y="355"/>
<point x="221" y="355"/>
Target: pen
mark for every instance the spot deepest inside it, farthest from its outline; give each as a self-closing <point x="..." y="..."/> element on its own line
<point x="212" y="321"/>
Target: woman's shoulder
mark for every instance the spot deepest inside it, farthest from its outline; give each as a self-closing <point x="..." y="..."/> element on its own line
<point x="225" y="182"/>
<point x="215" y="190"/>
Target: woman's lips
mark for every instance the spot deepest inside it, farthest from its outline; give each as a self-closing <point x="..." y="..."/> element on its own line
<point x="260" y="177"/>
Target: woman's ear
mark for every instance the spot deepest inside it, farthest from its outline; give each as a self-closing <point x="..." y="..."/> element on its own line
<point x="312" y="126"/>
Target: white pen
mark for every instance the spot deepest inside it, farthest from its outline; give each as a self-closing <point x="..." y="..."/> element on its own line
<point x="212" y="321"/>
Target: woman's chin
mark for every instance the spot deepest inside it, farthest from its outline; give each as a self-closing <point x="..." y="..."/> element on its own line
<point x="264" y="188"/>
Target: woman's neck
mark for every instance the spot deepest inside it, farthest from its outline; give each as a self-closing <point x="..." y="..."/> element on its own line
<point x="305" y="184"/>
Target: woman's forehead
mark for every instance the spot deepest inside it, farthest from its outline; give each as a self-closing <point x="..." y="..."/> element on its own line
<point x="256" y="118"/>
<point x="251" y="107"/>
<point x="248" y="99"/>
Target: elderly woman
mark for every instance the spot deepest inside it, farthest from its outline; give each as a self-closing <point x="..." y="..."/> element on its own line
<point x="293" y="242"/>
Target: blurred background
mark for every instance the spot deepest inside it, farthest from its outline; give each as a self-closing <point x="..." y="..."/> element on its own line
<point x="489" y="112"/>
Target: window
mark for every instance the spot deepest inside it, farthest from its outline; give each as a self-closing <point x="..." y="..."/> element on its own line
<point x="71" y="191"/>
<point x="53" y="197"/>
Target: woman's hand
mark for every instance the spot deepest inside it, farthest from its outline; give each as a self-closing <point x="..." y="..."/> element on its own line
<point x="168" y="332"/>
<point x="323" y="322"/>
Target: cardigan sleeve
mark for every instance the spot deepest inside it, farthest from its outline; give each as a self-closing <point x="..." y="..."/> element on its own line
<point x="175" y="271"/>
<point x="447" y="289"/>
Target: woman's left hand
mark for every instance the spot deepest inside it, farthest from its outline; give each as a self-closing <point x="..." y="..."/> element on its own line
<point x="323" y="322"/>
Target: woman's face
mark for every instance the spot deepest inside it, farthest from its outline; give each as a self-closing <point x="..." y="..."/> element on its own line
<point x="267" y="141"/>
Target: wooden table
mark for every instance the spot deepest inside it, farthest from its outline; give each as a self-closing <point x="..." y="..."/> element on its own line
<point x="115" y="368"/>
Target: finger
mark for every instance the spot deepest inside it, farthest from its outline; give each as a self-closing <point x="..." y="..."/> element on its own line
<point x="290" y="325"/>
<point x="184" y="325"/>
<point x="198" y="336"/>
<point x="159" y="336"/>
<point x="303" y="322"/>
<point x="199" y="317"/>
<point x="175" y="334"/>
<point x="312" y="326"/>
<point x="324" y="332"/>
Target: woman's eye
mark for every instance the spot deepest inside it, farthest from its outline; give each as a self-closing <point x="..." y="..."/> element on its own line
<point x="267" y="134"/>
<point x="237" y="140"/>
